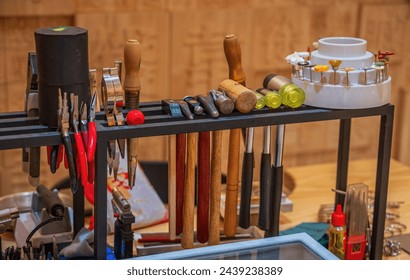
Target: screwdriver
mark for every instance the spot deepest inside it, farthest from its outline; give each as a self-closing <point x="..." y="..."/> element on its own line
<point x="132" y="87"/>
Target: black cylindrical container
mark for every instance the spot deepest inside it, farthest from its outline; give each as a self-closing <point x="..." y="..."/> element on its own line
<point x="62" y="61"/>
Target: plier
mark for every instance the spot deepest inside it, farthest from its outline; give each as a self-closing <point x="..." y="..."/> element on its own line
<point x="55" y="153"/>
<point x="91" y="135"/>
<point x="64" y="125"/>
<point x="81" y="157"/>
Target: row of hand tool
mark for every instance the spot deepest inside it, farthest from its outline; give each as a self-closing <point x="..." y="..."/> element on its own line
<point x="29" y="253"/>
<point x="78" y="158"/>
<point x="194" y="149"/>
<point x="117" y="95"/>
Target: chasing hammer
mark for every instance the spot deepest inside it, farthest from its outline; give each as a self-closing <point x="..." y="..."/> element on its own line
<point x="245" y="101"/>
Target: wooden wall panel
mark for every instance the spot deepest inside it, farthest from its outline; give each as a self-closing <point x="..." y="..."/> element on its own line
<point x="18" y="8"/>
<point x="198" y="61"/>
<point x="115" y="6"/>
<point x="108" y="33"/>
<point x="17" y="39"/>
<point x="389" y="31"/>
<point x="182" y="53"/>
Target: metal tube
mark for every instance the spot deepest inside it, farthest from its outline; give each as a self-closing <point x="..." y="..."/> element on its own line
<point x="280" y="139"/>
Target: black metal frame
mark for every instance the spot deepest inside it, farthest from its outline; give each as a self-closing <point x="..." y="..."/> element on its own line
<point x="18" y="131"/>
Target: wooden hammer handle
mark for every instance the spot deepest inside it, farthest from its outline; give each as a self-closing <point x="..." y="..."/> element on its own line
<point x="231" y="201"/>
<point x="215" y="192"/>
<point x="132" y="62"/>
<point x="204" y="170"/>
<point x="180" y="179"/>
<point x="233" y="57"/>
<point x="236" y="73"/>
<point x="189" y="194"/>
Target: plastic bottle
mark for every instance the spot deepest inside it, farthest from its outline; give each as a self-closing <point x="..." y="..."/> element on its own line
<point x="337" y="233"/>
<point x="292" y="95"/>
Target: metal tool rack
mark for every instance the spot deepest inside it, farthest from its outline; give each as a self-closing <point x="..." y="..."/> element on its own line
<point x="18" y="131"/>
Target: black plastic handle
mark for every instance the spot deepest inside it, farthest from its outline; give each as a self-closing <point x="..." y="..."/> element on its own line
<point x="71" y="162"/>
<point x="52" y="202"/>
<point x="276" y="197"/>
<point x="246" y="190"/>
<point x="34" y="165"/>
<point x="24" y="159"/>
<point x="265" y="192"/>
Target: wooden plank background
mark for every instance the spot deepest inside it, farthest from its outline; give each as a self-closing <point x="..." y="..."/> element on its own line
<point x="182" y="54"/>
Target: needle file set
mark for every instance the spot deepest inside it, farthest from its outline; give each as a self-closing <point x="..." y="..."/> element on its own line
<point x="349" y="234"/>
<point x="357" y="221"/>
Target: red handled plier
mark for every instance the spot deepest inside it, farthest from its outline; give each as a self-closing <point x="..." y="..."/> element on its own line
<point x="89" y="132"/>
<point x="64" y="127"/>
<point x="81" y="157"/>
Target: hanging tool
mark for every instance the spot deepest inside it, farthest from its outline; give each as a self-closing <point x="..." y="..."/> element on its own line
<point x="176" y="188"/>
<point x="187" y="240"/>
<point x="215" y="190"/>
<point x="31" y="156"/>
<point x="186" y="111"/>
<point x="275" y="195"/>
<point x="64" y="131"/>
<point x="171" y="107"/>
<point x="243" y="98"/>
<point x="93" y="88"/>
<point x="172" y="196"/>
<point x="55" y="155"/>
<point x="356" y="220"/>
<point x="204" y="170"/>
<point x="194" y="104"/>
<point x="132" y="87"/>
<point x="123" y="233"/>
<point x="92" y="137"/>
<point x="81" y="157"/>
<point x="265" y="182"/>
<point x="180" y="180"/>
<point x="207" y="103"/>
<point x="204" y="146"/>
<point x="108" y="97"/>
<point x="222" y="102"/>
<point x="112" y="96"/>
<point x="119" y="102"/>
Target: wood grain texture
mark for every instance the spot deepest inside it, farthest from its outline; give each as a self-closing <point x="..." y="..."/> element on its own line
<point x="231" y="201"/>
<point x="18" y="8"/>
<point x="187" y="240"/>
<point x="115" y="6"/>
<point x="172" y="192"/>
<point x="198" y="63"/>
<point x="389" y="31"/>
<point x="215" y="191"/>
<point x="182" y="53"/>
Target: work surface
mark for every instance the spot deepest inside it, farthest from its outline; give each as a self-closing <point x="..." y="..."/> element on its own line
<point x="314" y="185"/>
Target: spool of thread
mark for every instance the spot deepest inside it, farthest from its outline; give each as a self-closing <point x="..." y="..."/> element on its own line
<point x="62" y="61"/>
<point x="272" y="98"/>
<point x="244" y="98"/>
<point x="292" y="95"/>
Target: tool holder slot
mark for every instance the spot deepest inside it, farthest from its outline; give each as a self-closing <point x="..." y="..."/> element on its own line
<point x="19" y="131"/>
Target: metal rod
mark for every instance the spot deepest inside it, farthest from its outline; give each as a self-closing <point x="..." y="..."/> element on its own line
<point x="342" y="159"/>
<point x="100" y="198"/>
<point x="382" y="181"/>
